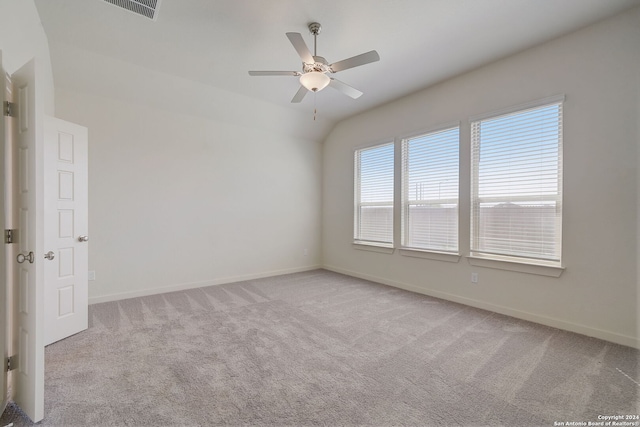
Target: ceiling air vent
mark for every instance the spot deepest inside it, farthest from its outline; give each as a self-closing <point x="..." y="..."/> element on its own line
<point x="148" y="8"/>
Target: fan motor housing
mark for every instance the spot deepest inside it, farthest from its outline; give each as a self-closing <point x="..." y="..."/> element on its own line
<point x="320" y="65"/>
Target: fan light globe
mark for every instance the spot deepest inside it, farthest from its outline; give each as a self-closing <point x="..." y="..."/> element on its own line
<point x="314" y="80"/>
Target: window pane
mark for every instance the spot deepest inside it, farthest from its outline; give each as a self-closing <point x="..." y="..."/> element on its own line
<point x="374" y="171"/>
<point x="516" y="184"/>
<point x="433" y="227"/>
<point x="376" y="223"/>
<point x="522" y="229"/>
<point x="430" y="191"/>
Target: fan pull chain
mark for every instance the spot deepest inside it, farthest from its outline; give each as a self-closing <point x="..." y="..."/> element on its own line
<point x="315" y="111"/>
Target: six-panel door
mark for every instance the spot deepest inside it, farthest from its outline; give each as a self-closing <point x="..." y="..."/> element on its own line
<point x="66" y="229"/>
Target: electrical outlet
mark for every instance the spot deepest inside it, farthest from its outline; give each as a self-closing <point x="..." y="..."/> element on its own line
<point x="305" y="252"/>
<point x="92" y="275"/>
<point x="474" y="277"/>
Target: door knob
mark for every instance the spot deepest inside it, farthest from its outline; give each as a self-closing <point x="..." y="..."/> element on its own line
<point x="83" y="238"/>
<point x="22" y="258"/>
<point x="49" y="255"/>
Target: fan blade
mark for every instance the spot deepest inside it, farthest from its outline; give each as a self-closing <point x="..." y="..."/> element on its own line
<point x="274" y="73"/>
<point x="345" y="88"/>
<point x="301" y="47"/>
<point x="355" y="61"/>
<point x="299" y="95"/>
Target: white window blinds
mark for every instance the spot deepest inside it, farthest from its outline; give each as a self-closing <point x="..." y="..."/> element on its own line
<point x="430" y="168"/>
<point x="516" y="184"/>
<point x="373" y="218"/>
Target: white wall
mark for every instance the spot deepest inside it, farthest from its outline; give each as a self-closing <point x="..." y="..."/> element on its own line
<point x="597" y="69"/>
<point x="179" y="200"/>
<point x="22" y="38"/>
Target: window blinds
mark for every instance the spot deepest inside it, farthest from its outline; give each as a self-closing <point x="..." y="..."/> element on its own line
<point x="516" y="184"/>
<point x="373" y="219"/>
<point x="430" y="168"/>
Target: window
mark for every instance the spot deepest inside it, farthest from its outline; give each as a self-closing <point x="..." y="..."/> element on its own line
<point x="516" y="185"/>
<point x="373" y="218"/>
<point x="430" y="167"/>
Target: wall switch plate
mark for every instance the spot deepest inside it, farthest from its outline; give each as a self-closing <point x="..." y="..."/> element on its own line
<point x="92" y="275"/>
<point x="474" y="277"/>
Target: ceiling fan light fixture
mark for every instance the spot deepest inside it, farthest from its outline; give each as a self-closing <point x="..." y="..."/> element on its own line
<point x="315" y="69"/>
<point x="314" y="81"/>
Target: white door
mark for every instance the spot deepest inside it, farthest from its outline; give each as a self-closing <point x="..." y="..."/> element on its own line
<point x="66" y="229"/>
<point x="28" y="378"/>
<point x="4" y="278"/>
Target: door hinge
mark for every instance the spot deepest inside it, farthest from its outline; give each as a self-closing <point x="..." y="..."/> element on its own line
<point x="9" y="109"/>
<point x="10" y="236"/>
<point x="12" y="363"/>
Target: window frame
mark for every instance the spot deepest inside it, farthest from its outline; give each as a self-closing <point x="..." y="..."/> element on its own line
<point x="530" y="264"/>
<point x="358" y="242"/>
<point x="405" y="202"/>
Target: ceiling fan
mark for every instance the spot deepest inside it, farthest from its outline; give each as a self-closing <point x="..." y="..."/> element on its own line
<point x="315" y="69"/>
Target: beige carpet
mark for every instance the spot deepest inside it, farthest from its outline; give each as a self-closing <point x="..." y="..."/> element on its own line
<point x="319" y="348"/>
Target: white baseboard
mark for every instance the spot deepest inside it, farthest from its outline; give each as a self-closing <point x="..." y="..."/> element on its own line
<point x="193" y="285"/>
<point x="543" y="320"/>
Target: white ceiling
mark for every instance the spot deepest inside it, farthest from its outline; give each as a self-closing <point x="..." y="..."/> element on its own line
<point x="215" y="42"/>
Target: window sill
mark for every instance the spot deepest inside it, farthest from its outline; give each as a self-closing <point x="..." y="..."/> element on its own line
<point x="424" y="254"/>
<point x="372" y="247"/>
<point x="541" y="269"/>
